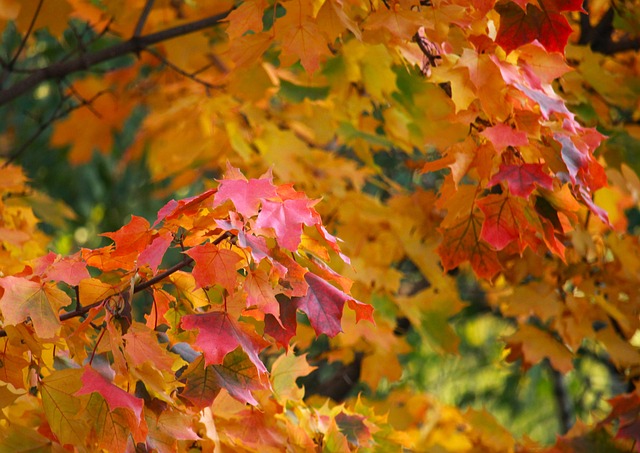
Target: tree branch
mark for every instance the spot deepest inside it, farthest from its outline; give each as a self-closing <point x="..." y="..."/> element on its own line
<point x="83" y="309"/>
<point x="600" y="37"/>
<point x="143" y="18"/>
<point x="86" y="61"/>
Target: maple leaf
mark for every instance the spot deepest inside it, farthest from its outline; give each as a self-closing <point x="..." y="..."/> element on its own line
<point x="286" y="218"/>
<point x="200" y="384"/>
<point x="574" y="159"/>
<point x="246" y="17"/>
<point x="625" y="409"/>
<point x="92" y="381"/>
<point x="131" y="238"/>
<point x="354" y="428"/>
<point x="462" y="242"/>
<point x="219" y="334"/>
<point x="548" y="102"/>
<point x="519" y="27"/>
<point x="25" y="299"/>
<point x="141" y="345"/>
<point x="282" y="328"/>
<point x="522" y="179"/>
<point x="238" y="375"/>
<point x="304" y="41"/>
<point x="532" y="345"/>
<point x="260" y="293"/>
<point x="284" y="372"/>
<point x="504" y="220"/>
<point x="153" y="254"/>
<point x="70" y="270"/>
<point x="214" y="266"/>
<point x="187" y="206"/>
<point x="503" y="135"/>
<point x="246" y="195"/>
<point x="113" y="429"/>
<point x="12" y="365"/>
<point x="323" y="305"/>
<point x="62" y="406"/>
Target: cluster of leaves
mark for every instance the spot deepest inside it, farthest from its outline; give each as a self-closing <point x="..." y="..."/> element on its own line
<point x="77" y="341"/>
<point x="503" y="178"/>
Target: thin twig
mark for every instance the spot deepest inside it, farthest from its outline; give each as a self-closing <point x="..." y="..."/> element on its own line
<point x="23" y="43"/>
<point x="176" y="267"/>
<point x="161" y="276"/>
<point x="143" y="18"/>
<point x="182" y="72"/>
<point x="84" y="62"/>
<point x="9" y="66"/>
<point x="86" y="102"/>
<point x="57" y="114"/>
<point x="563" y="400"/>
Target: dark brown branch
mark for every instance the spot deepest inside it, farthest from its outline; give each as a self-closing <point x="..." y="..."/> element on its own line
<point x="143" y="18"/>
<point x="563" y="400"/>
<point x="600" y="36"/>
<point x="86" y="61"/>
<point x="162" y="275"/>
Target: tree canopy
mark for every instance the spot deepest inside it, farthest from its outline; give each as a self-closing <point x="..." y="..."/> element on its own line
<point x="329" y="225"/>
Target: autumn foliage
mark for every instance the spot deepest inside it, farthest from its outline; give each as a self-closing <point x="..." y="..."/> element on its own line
<point x="446" y="143"/>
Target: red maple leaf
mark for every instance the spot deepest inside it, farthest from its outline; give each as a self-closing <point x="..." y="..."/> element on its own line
<point x="323" y="305"/>
<point x="462" y="242"/>
<point x="283" y="328"/>
<point x="218" y="335"/>
<point x="174" y="209"/>
<point x="503" y="135"/>
<point x="153" y="254"/>
<point x="286" y="218"/>
<point x="546" y="24"/>
<point x="522" y="179"/>
<point x="133" y="237"/>
<point x="504" y="219"/>
<point x="92" y="381"/>
<point x="625" y="409"/>
<point x="214" y="266"/>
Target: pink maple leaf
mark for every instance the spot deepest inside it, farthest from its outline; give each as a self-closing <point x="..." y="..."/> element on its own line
<point x="502" y="135"/>
<point x="286" y="218"/>
<point x="323" y="305"/>
<point x="218" y="335"/>
<point x="92" y="381"/>
<point x="245" y="195"/>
